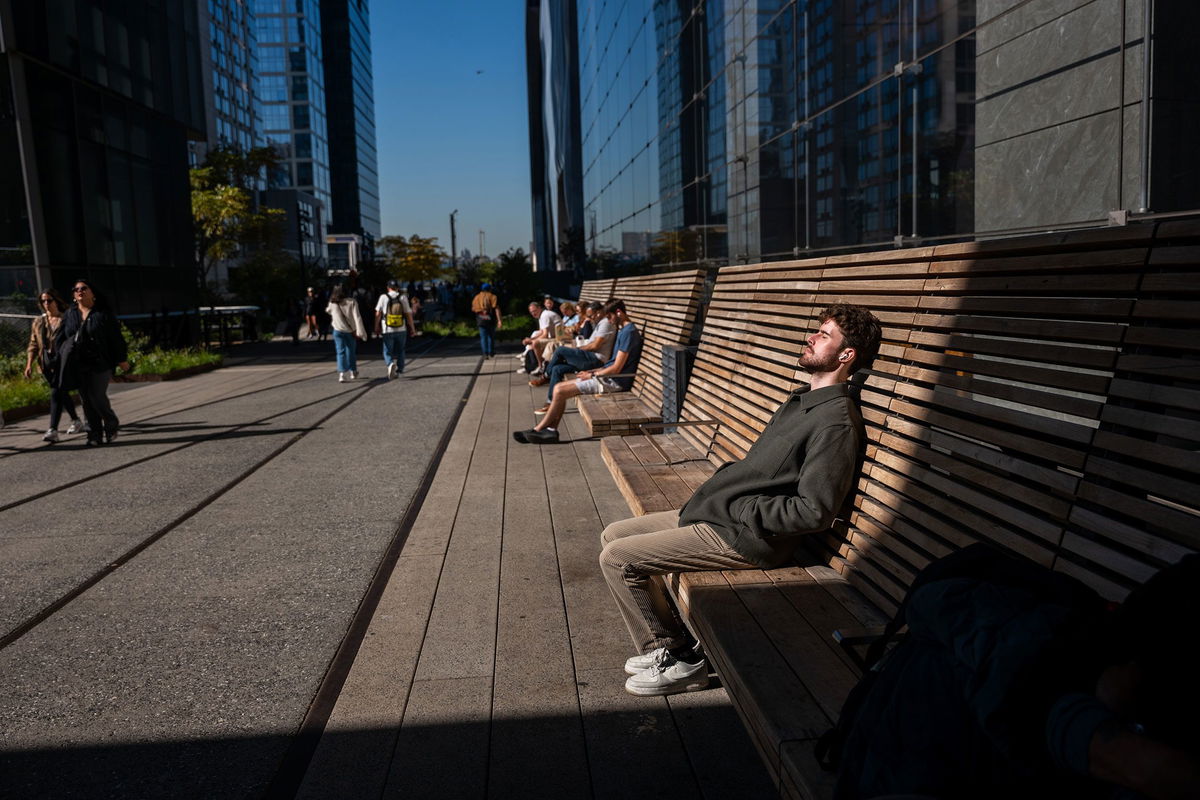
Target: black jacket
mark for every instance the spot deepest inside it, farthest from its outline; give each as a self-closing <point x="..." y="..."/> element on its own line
<point x="94" y="344"/>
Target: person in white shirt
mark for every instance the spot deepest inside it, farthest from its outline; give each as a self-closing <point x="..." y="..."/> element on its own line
<point x="394" y="324"/>
<point x="347" y="330"/>
<point x="548" y="321"/>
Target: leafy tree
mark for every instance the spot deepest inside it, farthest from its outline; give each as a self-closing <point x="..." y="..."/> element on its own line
<point x="225" y="215"/>
<point x="416" y="258"/>
<point x="571" y="250"/>
<point x="268" y="279"/>
<point x="673" y="247"/>
<point x="514" y="273"/>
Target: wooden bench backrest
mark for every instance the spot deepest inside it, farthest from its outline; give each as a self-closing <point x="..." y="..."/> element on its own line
<point x="664" y="307"/>
<point x="1038" y="393"/>
<point x="597" y="290"/>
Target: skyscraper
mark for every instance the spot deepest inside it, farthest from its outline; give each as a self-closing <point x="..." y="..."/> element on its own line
<point x="291" y="83"/>
<point x="230" y="70"/>
<point x="98" y="102"/>
<point x="552" y="64"/>
<point x="350" y="103"/>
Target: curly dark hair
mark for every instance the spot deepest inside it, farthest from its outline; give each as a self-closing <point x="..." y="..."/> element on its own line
<point x="861" y="330"/>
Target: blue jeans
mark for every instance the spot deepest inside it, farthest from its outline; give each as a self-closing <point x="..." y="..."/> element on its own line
<point x="487" y="339"/>
<point x="567" y="360"/>
<point x="347" y="348"/>
<point x="393" y="348"/>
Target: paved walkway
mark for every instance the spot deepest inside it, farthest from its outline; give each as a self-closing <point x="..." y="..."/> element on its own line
<point x="172" y="605"/>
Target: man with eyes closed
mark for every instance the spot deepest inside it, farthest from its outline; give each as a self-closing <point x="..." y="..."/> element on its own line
<point x="751" y="514"/>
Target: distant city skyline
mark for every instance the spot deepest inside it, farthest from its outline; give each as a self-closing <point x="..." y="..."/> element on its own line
<point x="451" y="118"/>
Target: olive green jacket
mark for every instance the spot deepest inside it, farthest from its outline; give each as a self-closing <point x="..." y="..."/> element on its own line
<point x="793" y="481"/>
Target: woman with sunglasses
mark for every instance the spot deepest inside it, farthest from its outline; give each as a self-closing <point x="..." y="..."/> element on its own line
<point x="96" y="348"/>
<point x="42" y="349"/>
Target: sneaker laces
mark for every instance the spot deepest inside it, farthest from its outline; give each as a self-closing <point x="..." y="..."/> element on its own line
<point x="663" y="661"/>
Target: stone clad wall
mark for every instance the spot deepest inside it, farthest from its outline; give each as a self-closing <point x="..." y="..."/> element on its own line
<point x="1049" y="120"/>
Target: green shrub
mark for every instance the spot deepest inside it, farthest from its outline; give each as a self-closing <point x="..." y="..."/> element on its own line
<point x="163" y="362"/>
<point x="18" y="392"/>
<point x="467" y="329"/>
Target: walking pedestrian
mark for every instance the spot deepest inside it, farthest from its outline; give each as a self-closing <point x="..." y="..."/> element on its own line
<point x="487" y="317"/>
<point x="42" y="349"/>
<point x="394" y="324"/>
<point x="91" y="347"/>
<point x="347" y="329"/>
<point x="312" y="307"/>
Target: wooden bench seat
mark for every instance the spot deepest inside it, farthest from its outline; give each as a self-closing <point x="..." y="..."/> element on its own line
<point x="665" y="308"/>
<point x="1040" y="394"/>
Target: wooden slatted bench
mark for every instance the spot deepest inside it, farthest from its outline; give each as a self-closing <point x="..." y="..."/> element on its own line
<point x="1041" y="394"/>
<point x="597" y="290"/>
<point x="665" y="308"/>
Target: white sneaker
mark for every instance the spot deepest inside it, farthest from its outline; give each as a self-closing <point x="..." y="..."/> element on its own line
<point x="668" y="676"/>
<point x="342" y="377"/>
<point x="51" y="436"/>
<point x="353" y="374"/>
<point x="78" y="426"/>
<point x="521" y="371"/>
<point x="393" y="370"/>
<point x="645" y="661"/>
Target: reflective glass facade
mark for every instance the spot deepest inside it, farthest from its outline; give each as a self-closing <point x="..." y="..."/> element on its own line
<point x="98" y="103"/>
<point x="350" y="99"/>
<point x="232" y="60"/>
<point x="742" y="130"/>
<point x="291" y="87"/>
<point x="552" y="64"/>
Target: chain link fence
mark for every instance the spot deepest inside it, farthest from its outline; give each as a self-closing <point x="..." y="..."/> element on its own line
<point x="14" y="333"/>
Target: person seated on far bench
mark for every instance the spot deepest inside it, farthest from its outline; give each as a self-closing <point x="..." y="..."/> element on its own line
<point x="591" y="355"/>
<point x="751" y="513"/>
<point x="566" y="328"/>
<point x="614" y="376"/>
<point x="547" y="325"/>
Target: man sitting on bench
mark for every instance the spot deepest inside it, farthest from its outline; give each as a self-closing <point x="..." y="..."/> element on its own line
<point x="614" y="376"/>
<point x="751" y="513"/>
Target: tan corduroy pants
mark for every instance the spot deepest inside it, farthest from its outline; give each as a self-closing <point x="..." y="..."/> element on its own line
<point x="638" y="552"/>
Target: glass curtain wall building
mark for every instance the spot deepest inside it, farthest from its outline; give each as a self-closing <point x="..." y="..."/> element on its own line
<point x="98" y="102"/>
<point x="291" y="82"/>
<point x="230" y="64"/>
<point x="350" y="101"/>
<point x="727" y="131"/>
<point x="552" y="66"/>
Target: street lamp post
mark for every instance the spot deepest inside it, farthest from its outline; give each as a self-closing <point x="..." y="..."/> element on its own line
<point x="453" y="243"/>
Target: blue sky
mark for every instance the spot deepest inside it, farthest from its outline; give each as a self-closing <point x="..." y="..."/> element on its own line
<point x="450" y="136"/>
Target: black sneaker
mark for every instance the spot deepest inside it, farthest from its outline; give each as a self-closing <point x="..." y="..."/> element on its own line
<point x="109" y="436"/>
<point x="94" y="442"/>
<point x="541" y="437"/>
<point x="520" y="436"/>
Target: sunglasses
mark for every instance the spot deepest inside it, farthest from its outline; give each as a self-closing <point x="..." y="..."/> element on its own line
<point x="80" y="289"/>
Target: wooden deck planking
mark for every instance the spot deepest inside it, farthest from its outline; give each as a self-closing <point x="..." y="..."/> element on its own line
<point x="494" y="660"/>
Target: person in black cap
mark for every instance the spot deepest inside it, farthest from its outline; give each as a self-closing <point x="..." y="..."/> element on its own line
<point x="487" y="315"/>
<point x="393" y="323"/>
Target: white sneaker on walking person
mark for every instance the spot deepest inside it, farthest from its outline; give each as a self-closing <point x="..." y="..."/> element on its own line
<point x="393" y="370"/>
<point x="51" y="436"/>
<point x="78" y="426"/>
<point x="342" y="377"/>
<point x="353" y="374"/>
